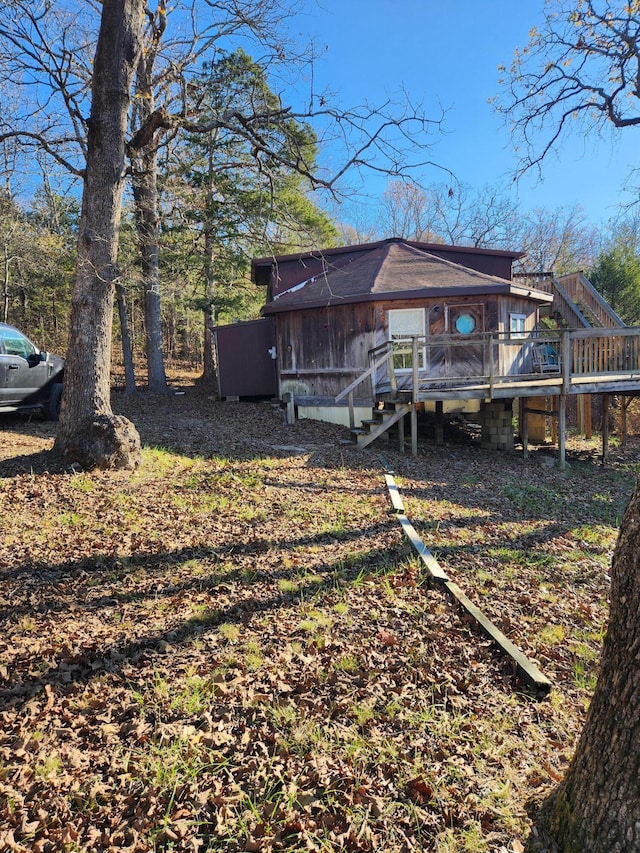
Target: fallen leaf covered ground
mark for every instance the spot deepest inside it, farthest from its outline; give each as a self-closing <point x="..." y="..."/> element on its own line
<point x="234" y="648"/>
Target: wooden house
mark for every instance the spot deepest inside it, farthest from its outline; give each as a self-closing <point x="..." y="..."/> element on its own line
<point x="334" y="309"/>
<point x="365" y="335"/>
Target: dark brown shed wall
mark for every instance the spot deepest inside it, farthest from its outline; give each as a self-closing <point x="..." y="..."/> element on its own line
<point x="246" y="368"/>
<point x="488" y="264"/>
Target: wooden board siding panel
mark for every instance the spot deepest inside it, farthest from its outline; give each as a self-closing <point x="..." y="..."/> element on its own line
<point x="491" y="265"/>
<point x="517" y="305"/>
<point x="322" y="350"/>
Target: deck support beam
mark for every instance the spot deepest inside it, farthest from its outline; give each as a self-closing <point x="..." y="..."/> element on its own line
<point x="562" y="432"/>
<point x="524" y="428"/>
<point x="414" y="430"/>
<point x="605" y="428"/>
<point x="439" y="423"/>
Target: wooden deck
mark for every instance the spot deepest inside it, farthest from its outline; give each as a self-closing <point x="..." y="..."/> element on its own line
<point x="584" y="361"/>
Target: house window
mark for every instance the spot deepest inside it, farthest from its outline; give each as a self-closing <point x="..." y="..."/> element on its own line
<point x="465" y="324"/>
<point x="404" y="325"/>
<point x="463" y="318"/>
<point x="516" y="325"/>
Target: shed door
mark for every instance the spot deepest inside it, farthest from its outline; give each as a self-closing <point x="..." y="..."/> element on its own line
<point x="246" y="363"/>
<point x="405" y="324"/>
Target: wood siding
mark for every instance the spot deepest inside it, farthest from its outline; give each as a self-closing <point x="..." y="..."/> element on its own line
<point x="322" y="350"/>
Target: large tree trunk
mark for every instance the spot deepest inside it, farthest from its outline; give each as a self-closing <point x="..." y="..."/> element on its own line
<point x="89" y="432"/>
<point x="127" y="345"/>
<point x="144" y="166"/>
<point x="597" y="807"/>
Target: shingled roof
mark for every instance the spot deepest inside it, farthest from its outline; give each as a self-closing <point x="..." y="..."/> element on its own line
<point x="392" y="270"/>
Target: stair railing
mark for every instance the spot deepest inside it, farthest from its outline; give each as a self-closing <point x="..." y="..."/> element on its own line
<point x="580" y="289"/>
<point x="564" y="304"/>
<point x="374" y="365"/>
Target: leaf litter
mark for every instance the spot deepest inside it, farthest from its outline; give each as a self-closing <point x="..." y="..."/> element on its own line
<point x="234" y="648"/>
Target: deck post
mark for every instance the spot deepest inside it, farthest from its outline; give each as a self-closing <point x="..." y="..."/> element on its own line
<point x="525" y="428"/>
<point x="352" y="414"/>
<point x="414" y="430"/>
<point x="439" y="422"/>
<point x="290" y="407"/>
<point x="401" y="434"/>
<point x="588" y="428"/>
<point x="605" y="428"/>
<point x="373" y="376"/>
<point x="415" y="385"/>
<point x="565" y="341"/>
<point x="562" y="432"/>
<point x="393" y="382"/>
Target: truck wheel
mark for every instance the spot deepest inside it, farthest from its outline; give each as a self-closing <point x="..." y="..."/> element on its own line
<point x="51" y="408"/>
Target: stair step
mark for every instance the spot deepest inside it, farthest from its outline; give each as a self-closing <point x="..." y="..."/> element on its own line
<point x="377" y="426"/>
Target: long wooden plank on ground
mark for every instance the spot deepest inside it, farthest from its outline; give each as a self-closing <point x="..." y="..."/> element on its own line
<point x="527" y="670"/>
<point x="396" y="500"/>
<point x="433" y="566"/>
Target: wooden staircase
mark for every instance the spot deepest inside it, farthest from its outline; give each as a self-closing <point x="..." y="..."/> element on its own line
<point x="383" y="416"/>
<point x="577" y="300"/>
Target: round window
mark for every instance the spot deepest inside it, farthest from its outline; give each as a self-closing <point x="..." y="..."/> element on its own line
<point x="465" y="324"/>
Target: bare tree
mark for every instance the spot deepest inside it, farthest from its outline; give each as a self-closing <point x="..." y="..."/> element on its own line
<point x="557" y="240"/>
<point x="580" y="71"/>
<point x="89" y="432"/>
<point x="451" y="213"/>
<point x="408" y="211"/>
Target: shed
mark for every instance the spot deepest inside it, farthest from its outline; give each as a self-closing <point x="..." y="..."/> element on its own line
<point x="246" y="359"/>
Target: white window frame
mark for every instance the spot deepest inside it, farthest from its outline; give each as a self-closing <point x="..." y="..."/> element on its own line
<point x="517" y="320"/>
<point x="406" y="331"/>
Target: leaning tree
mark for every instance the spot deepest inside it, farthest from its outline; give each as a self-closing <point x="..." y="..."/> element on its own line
<point x="581" y="69"/>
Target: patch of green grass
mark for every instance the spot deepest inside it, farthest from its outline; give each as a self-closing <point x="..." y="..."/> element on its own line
<point x="533" y="498"/>
<point x="84" y="483"/>
<point x="230" y="631"/>
<point x="598" y="536"/>
<point x="48" y="767"/>
<point x="347" y="663"/>
<point x="552" y="635"/>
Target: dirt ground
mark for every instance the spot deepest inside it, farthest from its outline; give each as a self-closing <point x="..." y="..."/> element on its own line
<point x="235" y="648"/>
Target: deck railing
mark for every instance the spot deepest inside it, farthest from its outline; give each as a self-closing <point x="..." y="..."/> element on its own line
<point x="447" y="362"/>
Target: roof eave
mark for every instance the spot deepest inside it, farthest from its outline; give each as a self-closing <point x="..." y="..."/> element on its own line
<point x="277" y="307"/>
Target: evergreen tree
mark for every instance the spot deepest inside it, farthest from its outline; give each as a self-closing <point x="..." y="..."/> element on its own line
<point x="238" y="202"/>
<point x="616" y="275"/>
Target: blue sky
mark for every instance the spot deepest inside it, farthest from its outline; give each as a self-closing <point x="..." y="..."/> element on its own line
<point x="448" y="53"/>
